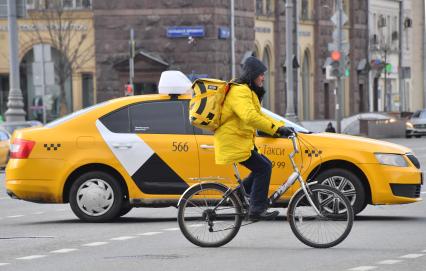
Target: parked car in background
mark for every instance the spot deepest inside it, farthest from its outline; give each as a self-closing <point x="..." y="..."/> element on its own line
<point x="416" y="125"/>
<point x="4" y="147"/>
<point x="12" y="126"/>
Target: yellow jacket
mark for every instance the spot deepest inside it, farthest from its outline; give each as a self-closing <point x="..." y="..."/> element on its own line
<point x="241" y="117"/>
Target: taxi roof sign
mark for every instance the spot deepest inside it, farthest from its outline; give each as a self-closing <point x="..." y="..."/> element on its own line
<point x="174" y="82"/>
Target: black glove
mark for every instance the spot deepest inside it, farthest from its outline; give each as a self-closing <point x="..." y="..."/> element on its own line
<point x="285" y="131"/>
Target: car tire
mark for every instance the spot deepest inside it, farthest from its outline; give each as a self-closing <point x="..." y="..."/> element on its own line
<point x="408" y="136"/>
<point x="348" y="183"/>
<point x="125" y="209"/>
<point x="96" y="196"/>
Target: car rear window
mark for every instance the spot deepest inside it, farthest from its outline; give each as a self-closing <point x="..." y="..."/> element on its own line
<point x="74" y="115"/>
<point x="117" y="121"/>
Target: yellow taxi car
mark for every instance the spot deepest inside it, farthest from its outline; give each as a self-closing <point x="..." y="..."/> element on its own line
<point x="142" y="151"/>
<point x="4" y="147"/>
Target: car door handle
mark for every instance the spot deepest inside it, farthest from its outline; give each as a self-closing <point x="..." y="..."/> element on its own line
<point x="121" y="146"/>
<point x="206" y="146"/>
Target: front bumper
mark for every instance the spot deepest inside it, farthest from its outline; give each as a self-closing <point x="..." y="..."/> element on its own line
<point x="393" y="185"/>
<point x="415" y="131"/>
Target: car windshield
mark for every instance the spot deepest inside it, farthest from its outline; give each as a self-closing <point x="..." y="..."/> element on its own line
<point x="288" y="123"/>
<point x="74" y="115"/>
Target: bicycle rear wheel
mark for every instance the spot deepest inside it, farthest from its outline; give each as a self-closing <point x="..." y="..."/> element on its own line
<point x="323" y="230"/>
<point x="205" y="219"/>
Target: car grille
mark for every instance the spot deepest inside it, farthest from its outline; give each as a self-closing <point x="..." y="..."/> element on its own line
<point x="406" y="190"/>
<point x="413" y="160"/>
<point x="420" y="126"/>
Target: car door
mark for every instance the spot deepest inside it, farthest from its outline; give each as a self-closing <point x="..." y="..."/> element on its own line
<point x="276" y="150"/>
<point x="159" y="151"/>
<point x="164" y="127"/>
<point x="209" y="170"/>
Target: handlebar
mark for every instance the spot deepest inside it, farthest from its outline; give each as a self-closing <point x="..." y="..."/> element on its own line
<point x="293" y="140"/>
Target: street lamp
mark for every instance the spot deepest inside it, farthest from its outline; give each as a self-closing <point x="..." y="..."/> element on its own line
<point x="15" y="104"/>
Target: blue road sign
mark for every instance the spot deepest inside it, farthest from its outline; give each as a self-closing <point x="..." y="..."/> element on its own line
<point x="224" y="32"/>
<point x="185" y="31"/>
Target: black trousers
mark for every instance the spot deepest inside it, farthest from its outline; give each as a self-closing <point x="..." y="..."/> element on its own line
<point x="257" y="183"/>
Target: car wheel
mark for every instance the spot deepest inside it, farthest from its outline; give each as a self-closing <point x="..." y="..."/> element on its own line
<point x="348" y="183"/>
<point x="408" y="136"/>
<point x="125" y="209"/>
<point x="96" y="197"/>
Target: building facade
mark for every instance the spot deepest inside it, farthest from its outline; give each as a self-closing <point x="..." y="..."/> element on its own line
<point x="417" y="95"/>
<point x="181" y="35"/>
<point x="391" y="50"/>
<point x="62" y="43"/>
<point x="194" y="37"/>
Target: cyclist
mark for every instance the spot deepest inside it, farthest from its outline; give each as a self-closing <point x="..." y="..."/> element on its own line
<point x="234" y="140"/>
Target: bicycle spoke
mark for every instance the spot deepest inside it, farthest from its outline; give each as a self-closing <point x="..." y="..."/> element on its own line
<point x="217" y="218"/>
<point x="327" y="229"/>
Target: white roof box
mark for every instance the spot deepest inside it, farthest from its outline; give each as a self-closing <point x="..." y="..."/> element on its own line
<point x="174" y="82"/>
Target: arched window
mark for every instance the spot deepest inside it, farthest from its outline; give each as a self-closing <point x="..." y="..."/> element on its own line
<point x="57" y="91"/>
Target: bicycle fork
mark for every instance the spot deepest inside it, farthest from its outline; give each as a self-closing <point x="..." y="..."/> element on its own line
<point x="305" y="187"/>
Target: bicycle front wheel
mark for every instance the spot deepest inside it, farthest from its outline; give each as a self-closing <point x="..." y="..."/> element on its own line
<point x="208" y="219"/>
<point x="325" y="229"/>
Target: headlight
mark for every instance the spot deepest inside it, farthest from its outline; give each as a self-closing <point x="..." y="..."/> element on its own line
<point x="391" y="159"/>
<point x="409" y="125"/>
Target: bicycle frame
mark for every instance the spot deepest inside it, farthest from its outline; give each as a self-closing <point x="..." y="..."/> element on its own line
<point x="295" y="176"/>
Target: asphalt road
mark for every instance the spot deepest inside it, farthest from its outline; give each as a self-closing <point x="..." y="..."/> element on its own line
<point x="49" y="237"/>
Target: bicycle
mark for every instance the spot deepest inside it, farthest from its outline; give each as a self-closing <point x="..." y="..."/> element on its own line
<point x="210" y="214"/>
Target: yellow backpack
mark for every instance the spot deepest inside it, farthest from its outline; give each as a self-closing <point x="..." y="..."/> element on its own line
<point x="205" y="107"/>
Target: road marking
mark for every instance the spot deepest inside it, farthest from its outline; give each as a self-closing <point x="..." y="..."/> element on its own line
<point x="171" y="229"/>
<point x="412" y="256"/>
<point x="31" y="257"/>
<point x="122" y="238"/>
<point x="150" y="233"/>
<point x="1" y="264"/>
<point x="95" y="244"/>
<point x="389" y="262"/>
<point x="363" y="268"/>
<point x="14" y="216"/>
<point x="38" y="213"/>
<point x="64" y="250"/>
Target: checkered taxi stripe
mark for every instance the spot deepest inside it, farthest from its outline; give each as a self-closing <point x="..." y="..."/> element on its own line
<point x="315" y="153"/>
<point x="53" y="147"/>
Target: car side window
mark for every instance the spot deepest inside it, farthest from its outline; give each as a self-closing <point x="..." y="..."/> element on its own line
<point x="163" y="117"/>
<point x="117" y="121"/>
<point x="416" y="114"/>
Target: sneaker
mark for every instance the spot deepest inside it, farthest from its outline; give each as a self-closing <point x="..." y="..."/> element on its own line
<point x="265" y="215"/>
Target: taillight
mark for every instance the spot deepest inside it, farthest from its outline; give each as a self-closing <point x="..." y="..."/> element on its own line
<point x="21" y="148"/>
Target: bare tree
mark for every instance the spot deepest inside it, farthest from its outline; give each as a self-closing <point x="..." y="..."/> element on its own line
<point x="61" y="31"/>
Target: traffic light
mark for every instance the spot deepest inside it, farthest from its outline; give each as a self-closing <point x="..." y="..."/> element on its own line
<point x="335" y="64"/>
<point x="128" y="90"/>
<point x="388" y="67"/>
<point x="347" y="66"/>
